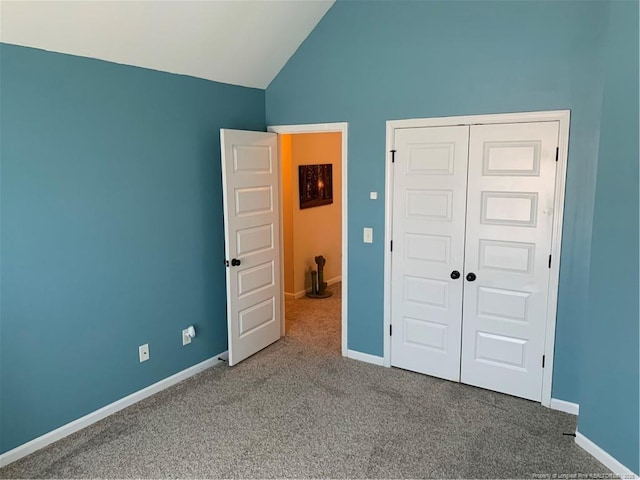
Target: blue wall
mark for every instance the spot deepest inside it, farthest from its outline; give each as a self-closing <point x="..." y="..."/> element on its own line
<point x="111" y="209"/>
<point x="609" y="400"/>
<point x="368" y="62"/>
<point x="111" y="204"/>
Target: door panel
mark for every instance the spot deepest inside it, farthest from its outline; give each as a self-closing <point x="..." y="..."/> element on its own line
<point x="510" y="200"/>
<point x="252" y="229"/>
<point x="429" y="198"/>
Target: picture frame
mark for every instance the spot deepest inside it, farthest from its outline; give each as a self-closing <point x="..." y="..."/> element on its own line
<point x="315" y="185"/>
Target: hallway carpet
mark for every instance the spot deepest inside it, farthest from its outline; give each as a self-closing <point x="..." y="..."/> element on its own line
<point x="298" y="410"/>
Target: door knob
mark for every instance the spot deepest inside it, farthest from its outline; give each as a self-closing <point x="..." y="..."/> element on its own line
<point x="235" y="262"/>
<point x="471" y="276"/>
<point x="455" y="274"/>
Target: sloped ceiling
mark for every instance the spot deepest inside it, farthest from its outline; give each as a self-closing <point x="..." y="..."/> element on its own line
<point x="243" y="42"/>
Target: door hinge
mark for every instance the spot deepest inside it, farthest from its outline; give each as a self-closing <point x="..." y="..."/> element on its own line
<point x="549" y="261"/>
<point x="392" y="245"/>
<point x="557" y="153"/>
<point x="543" y="358"/>
<point x="393" y="156"/>
<point x="390" y="330"/>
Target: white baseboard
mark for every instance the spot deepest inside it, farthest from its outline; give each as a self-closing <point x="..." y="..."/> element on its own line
<point x="93" y="417"/>
<point x="564" y="406"/>
<point x="302" y="293"/>
<point x="603" y="457"/>
<point x="364" y="357"/>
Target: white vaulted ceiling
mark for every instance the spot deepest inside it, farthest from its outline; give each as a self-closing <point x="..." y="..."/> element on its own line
<point x="243" y="42"/>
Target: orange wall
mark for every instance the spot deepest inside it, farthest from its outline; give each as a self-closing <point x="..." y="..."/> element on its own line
<point x="287" y="210"/>
<point x="311" y="231"/>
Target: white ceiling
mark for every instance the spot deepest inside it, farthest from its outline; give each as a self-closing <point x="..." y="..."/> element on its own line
<point x="234" y="41"/>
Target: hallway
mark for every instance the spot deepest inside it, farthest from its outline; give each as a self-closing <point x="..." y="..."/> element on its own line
<point x="316" y="323"/>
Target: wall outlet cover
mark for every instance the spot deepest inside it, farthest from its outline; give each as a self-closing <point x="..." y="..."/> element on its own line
<point x="143" y="352"/>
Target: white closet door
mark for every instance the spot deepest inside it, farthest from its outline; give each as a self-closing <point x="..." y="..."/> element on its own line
<point x="430" y="175"/>
<point x="510" y="197"/>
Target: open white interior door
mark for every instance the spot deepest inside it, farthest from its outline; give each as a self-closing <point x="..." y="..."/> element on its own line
<point x="251" y="194"/>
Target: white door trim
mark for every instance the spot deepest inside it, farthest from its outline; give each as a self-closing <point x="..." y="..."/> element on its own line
<point x="561" y="116"/>
<point x="341" y="127"/>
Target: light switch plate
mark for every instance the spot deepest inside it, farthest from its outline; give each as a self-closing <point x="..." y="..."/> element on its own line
<point x="373" y="195"/>
<point x="367" y="235"/>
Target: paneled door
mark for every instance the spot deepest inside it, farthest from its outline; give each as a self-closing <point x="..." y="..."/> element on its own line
<point x="252" y="240"/>
<point x="429" y="200"/>
<point x="472" y="212"/>
<point x="510" y="204"/>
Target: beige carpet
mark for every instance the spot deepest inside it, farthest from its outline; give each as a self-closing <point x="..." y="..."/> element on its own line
<point x="298" y="410"/>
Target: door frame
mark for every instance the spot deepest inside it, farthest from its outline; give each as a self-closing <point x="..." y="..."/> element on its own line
<point x="561" y="116"/>
<point x="343" y="128"/>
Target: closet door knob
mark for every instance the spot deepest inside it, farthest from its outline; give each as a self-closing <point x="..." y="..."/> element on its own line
<point x="455" y="274"/>
<point x="471" y="276"/>
<point x="235" y="262"/>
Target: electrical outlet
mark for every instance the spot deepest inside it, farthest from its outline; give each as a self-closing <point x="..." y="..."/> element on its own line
<point x="186" y="338"/>
<point x="143" y="351"/>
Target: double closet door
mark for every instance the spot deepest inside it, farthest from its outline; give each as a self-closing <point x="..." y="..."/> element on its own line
<point x="472" y="223"/>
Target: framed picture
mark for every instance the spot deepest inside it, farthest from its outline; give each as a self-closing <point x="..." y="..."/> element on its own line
<point x="316" y="185"/>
